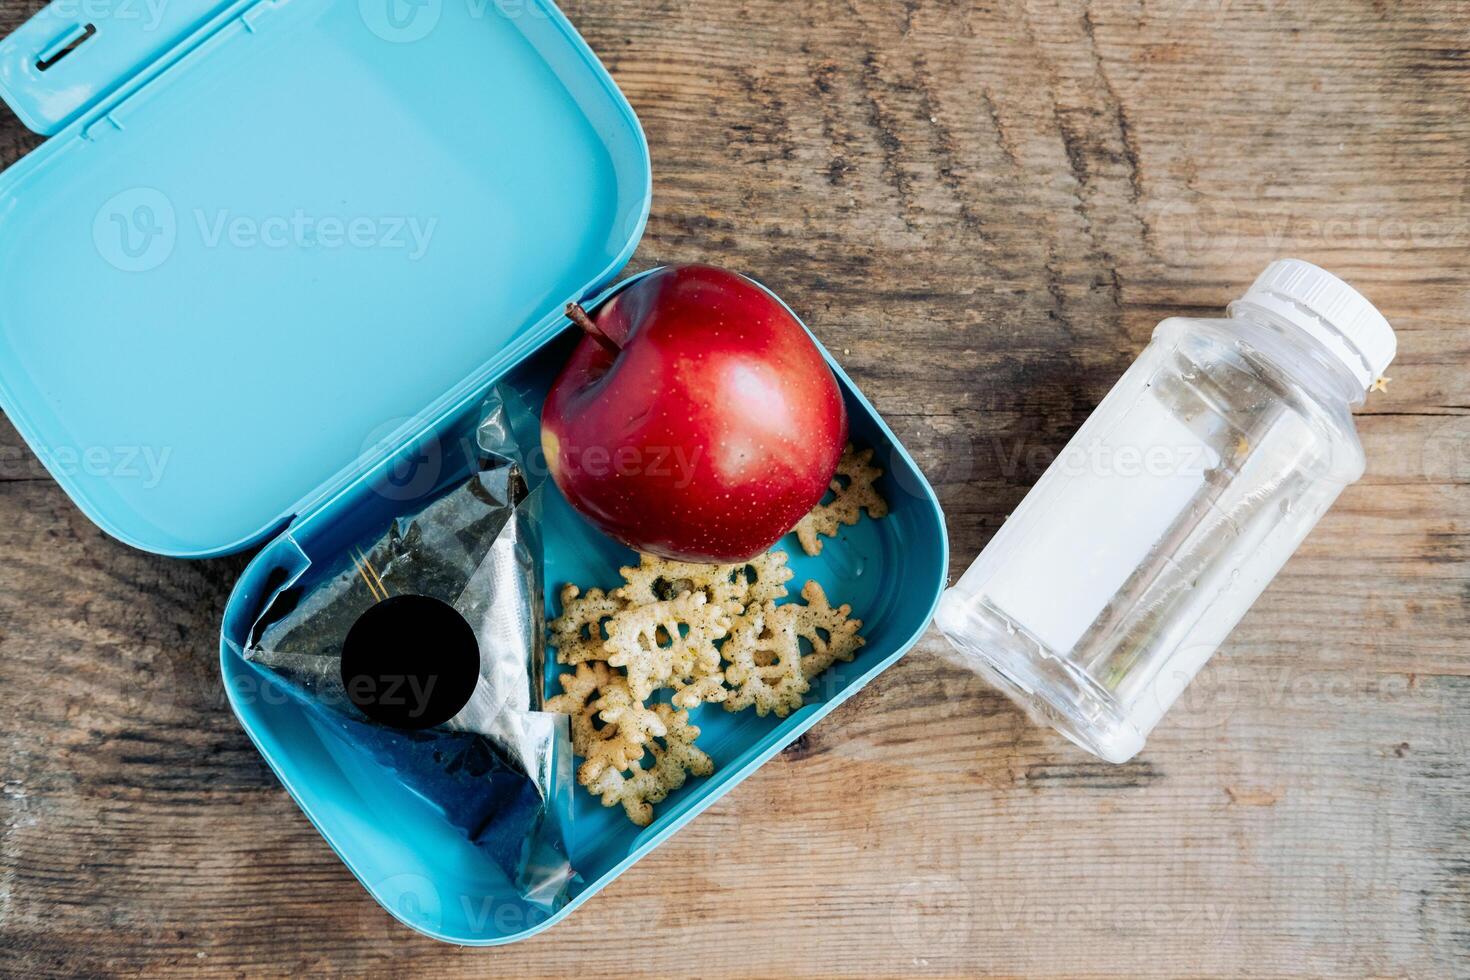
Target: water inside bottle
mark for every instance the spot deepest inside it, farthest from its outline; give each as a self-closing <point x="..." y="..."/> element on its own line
<point x="1148" y="539"/>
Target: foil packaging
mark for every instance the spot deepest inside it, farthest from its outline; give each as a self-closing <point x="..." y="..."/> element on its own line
<point x="499" y="769"/>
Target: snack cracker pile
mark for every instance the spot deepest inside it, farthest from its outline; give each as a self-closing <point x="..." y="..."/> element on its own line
<point x="708" y="633"/>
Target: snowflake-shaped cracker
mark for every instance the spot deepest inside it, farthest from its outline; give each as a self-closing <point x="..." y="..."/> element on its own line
<point x="832" y="633"/>
<point x="853" y="491"/>
<point x="731" y="586"/>
<point x="764" y="657"/>
<point x="704" y="682"/>
<point x="636" y="722"/>
<point x="666" y="642"/>
<point x="604" y="748"/>
<point x="708" y="687"/>
<point x="674" y="760"/>
<point x="766" y="576"/>
<point x="578" y="633"/>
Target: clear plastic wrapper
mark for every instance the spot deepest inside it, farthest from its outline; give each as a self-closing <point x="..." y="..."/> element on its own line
<point x="499" y="767"/>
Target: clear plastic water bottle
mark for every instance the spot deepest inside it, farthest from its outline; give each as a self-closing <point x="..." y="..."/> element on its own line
<point x="1172" y="508"/>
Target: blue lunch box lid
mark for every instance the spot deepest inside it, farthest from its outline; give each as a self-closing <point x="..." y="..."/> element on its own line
<point x="270" y="239"/>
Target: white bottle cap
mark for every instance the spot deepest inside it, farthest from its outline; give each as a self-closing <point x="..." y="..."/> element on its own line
<point x="1330" y="310"/>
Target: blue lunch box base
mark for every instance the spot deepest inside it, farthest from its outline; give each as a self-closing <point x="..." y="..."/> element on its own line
<point x="400" y="847"/>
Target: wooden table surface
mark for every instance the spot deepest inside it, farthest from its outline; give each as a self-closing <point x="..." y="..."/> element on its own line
<point x="983" y="209"/>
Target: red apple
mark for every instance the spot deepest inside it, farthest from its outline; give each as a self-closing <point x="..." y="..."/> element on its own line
<point x="696" y="419"/>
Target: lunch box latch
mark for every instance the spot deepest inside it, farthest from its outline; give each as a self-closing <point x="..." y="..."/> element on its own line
<point x="73" y="54"/>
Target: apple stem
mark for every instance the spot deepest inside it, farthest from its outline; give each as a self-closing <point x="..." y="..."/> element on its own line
<point x="579" y="316"/>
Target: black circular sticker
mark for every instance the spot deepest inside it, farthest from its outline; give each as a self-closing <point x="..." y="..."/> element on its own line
<point x="411" y="661"/>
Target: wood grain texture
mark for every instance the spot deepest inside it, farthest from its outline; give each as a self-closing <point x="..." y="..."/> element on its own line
<point x="983" y="208"/>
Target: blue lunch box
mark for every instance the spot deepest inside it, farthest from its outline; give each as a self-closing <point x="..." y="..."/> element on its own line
<point x="253" y="289"/>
